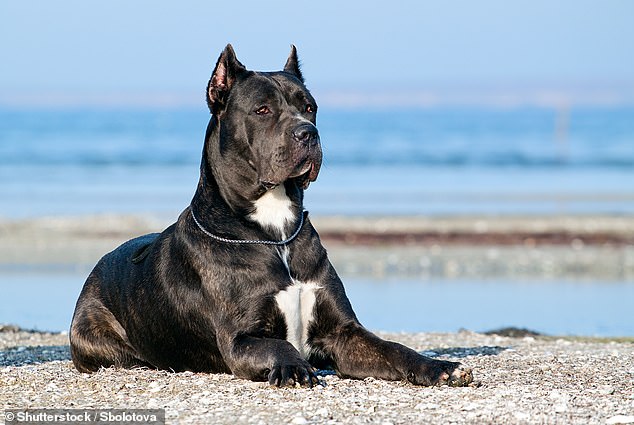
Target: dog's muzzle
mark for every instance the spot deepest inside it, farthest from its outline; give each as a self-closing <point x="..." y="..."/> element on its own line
<point x="308" y="161"/>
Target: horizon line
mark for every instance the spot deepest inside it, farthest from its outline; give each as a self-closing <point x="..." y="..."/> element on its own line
<point x="345" y="98"/>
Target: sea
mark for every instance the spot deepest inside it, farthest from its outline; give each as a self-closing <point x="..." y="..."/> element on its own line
<point x="434" y="161"/>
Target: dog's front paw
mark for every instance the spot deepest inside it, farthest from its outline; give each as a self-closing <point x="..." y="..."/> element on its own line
<point x="288" y="375"/>
<point x="430" y="372"/>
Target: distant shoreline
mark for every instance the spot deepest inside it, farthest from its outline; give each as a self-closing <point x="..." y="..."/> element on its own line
<point x="553" y="96"/>
<point x="591" y="229"/>
<point x="532" y="247"/>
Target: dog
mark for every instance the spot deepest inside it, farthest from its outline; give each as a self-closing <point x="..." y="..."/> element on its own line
<point x="241" y="283"/>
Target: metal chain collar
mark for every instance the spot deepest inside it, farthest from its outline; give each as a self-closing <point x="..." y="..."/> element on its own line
<point x="252" y="242"/>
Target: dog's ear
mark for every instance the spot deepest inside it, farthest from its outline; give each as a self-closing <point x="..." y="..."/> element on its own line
<point x="292" y="64"/>
<point x="225" y="73"/>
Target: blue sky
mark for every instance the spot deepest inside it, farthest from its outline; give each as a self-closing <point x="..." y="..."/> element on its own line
<point x="122" y="47"/>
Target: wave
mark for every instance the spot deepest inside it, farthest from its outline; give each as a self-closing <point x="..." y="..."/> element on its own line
<point x="522" y="138"/>
<point x="456" y="161"/>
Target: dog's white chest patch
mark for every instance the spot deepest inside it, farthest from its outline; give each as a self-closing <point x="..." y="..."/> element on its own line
<point x="273" y="209"/>
<point x="297" y="303"/>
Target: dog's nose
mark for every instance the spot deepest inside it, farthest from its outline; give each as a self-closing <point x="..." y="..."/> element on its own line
<point x="306" y="133"/>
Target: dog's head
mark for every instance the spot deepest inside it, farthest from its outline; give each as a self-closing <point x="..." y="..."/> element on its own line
<point x="265" y="123"/>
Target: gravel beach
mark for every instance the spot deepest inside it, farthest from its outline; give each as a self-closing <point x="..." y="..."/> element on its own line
<point x="530" y="380"/>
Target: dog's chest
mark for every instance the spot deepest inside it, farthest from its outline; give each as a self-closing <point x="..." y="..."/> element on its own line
<point x="297" y="304"/>
<point x="296" y="301"/>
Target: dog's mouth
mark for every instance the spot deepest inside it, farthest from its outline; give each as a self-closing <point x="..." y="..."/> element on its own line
<point x="303" y="173"/>
<point x="303" y="179"/>
<point x="306" y="172"/>
<point x="303" y="169"/>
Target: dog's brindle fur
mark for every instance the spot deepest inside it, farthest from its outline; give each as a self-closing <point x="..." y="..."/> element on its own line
<point x="180" y="300"/>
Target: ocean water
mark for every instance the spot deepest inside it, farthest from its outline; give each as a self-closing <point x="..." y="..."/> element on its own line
<point x="587" y="308"/>
<point x="416" y="161"/>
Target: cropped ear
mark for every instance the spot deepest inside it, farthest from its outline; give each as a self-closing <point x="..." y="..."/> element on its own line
<point x="227" y="69"/>
<point x="292" y="64"/>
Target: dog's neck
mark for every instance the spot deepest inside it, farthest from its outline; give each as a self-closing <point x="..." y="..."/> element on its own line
<point x="274" y="210"/>
<point x="274" y="213"/>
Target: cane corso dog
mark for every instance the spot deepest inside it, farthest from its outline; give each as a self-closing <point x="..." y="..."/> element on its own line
<point x="241" y="283"/>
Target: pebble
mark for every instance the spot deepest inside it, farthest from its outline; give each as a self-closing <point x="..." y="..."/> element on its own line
<point x="470" y="407"/>
<point x="606" y="390"/>
<point x="521" y="416"/>
<point x="620" y="419"/>
<point x="155" y="387"/>
<point x="427" y="406"/>
<point x="322" y="412"/>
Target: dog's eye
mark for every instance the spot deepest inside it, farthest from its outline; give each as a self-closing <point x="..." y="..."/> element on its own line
<point x="263" y="110"/>
<point x="309" y="108"/>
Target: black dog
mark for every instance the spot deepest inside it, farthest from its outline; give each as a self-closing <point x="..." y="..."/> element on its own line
<point x="241" y="283"/>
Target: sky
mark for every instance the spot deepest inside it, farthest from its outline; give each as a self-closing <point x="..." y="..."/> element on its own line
<point x="122" y="50"/>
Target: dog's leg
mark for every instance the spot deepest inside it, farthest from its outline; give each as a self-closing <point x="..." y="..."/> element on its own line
<point x="266" y="359"/>
<point x="97" y="339"/>
<point x="340" y="341"/>
<point x="357" y="353"/>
